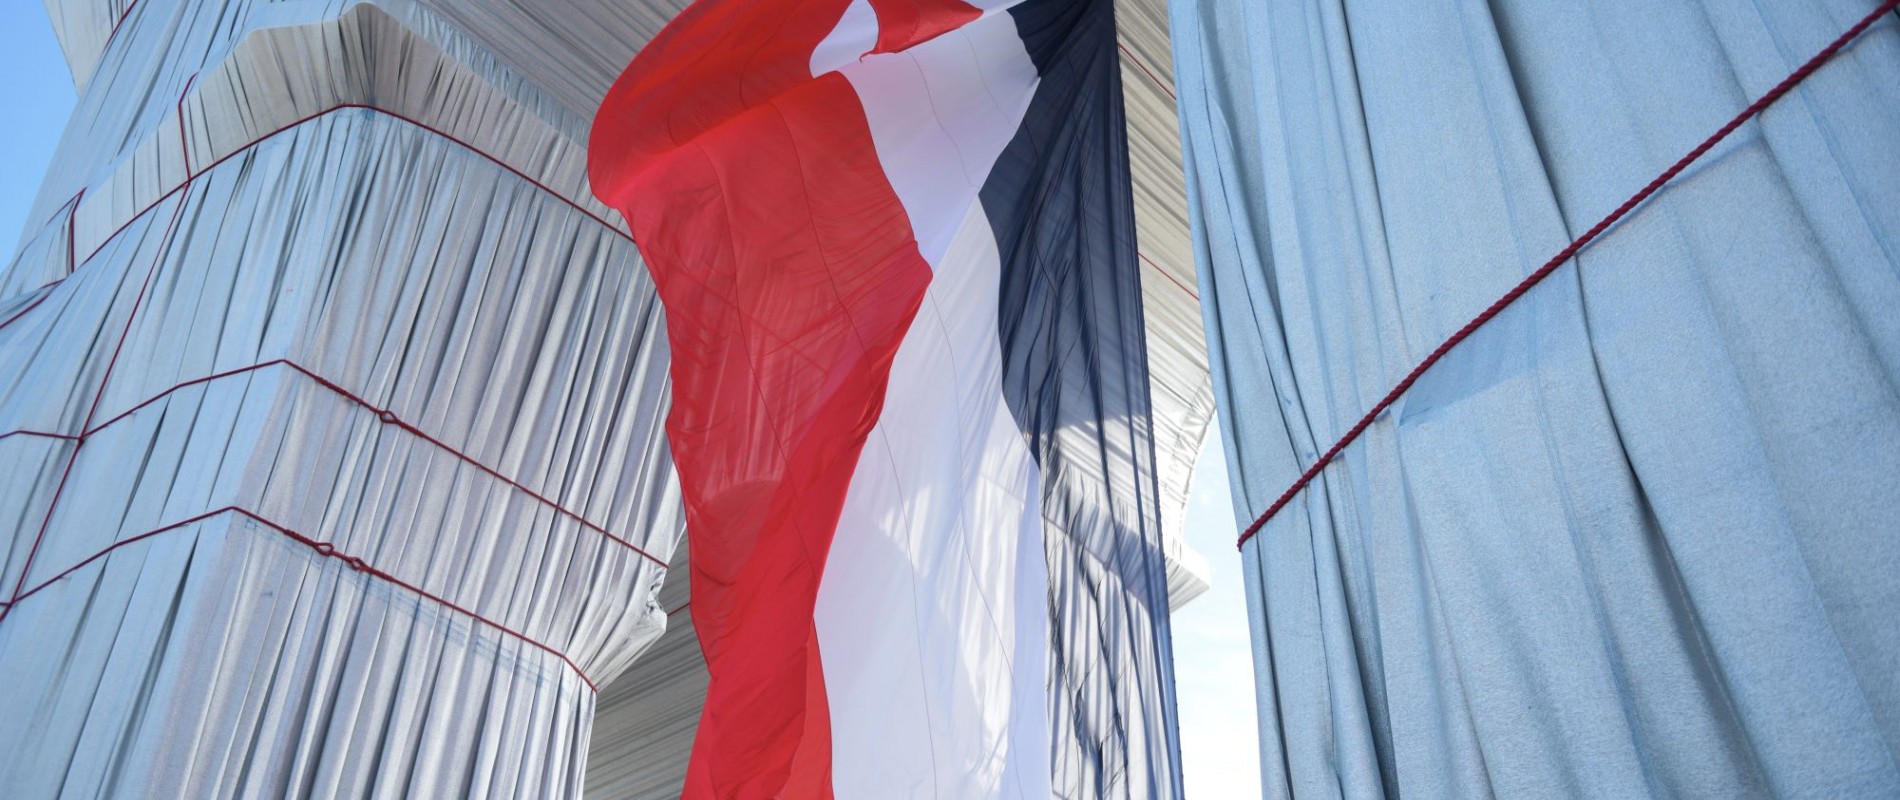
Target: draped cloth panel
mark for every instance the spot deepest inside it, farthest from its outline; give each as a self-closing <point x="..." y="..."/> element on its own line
<point x="344" y="521"/>
<point x="895" y="240"/>
<point x="1636" y="536"/>
<point x="338" y="470"/>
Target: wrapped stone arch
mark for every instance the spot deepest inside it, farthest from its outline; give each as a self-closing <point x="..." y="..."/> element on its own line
<point x="331" y="459"/>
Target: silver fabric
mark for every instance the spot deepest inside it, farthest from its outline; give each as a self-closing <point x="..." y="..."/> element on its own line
<point x="442" y="258"/>
<point x="223" y="658"/>
<point x="1637" y="536"/>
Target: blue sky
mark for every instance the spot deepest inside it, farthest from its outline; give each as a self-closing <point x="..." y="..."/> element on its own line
<point x="1220" y="740"/>
<point x="39" y="92"/>
<point x="1214" y="668"/>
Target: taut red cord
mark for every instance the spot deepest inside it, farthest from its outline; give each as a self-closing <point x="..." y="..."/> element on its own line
<point x="325" y="549"/>
<point x="532" y="181"/>
<point x="384" y="415"/>
<point x="158" y="260"/>
<point x="1145" y="71"/>
<point x="105" y="379"/>
<point x="1794" y="78"/>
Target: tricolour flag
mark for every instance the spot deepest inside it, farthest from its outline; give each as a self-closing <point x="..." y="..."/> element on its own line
<point x="895" y="243"/>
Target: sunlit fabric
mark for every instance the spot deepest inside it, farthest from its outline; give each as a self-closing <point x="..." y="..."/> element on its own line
<point x="369" y="318"/>
<point x="1634" y="538"/>
<point x="895" y="244"/>
<point x="332" y="402"/>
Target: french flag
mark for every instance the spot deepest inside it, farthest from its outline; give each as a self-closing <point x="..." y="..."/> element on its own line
<point x="895" y="242"/>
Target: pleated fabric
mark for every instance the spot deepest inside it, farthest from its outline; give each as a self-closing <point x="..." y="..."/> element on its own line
<point x="331" y="460"/>
<point x="1637" y="536"/>
<point x="334" y="466"/>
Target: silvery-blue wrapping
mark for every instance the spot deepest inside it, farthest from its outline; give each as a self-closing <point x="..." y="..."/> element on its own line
<point x="1634" y="538"/>
<point x="390" y="194"/>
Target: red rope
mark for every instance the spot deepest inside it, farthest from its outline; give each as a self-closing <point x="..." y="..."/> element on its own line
<point x="564" y="199"/>
<point x="73" y="457"/>
<point x="42" y="434"/>
<point x="72" y="211"/>
<point x="1794" y="78"/>
<point x="105" y="379"/>
<point x="322" y="548"/>
<point x="1144" y="70"/>
<point x="29" y="306"/>
<point x="1136" y="60"/>
<point x="59" y="489"/>
<point x="1171" y="279"/>
<point x="385" y="415"/>
<point x="114" y="33"/>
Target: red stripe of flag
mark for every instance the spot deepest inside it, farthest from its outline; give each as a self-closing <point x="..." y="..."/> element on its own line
<point x="789" y="273"/>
